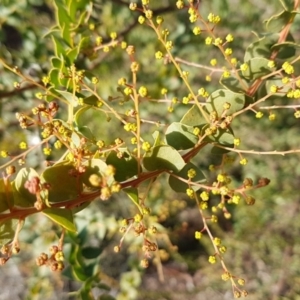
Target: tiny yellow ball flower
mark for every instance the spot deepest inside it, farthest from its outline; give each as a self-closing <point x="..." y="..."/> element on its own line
<point x="132" y="6"/>
<point x="203" y="205"/>
<point x="222" y="249"/>
<point x="296" y="94"/>
<point x="285" y="80"/>
<point x="241" y="281"/>
<point x="123" y="45"/>
<point x="164" y="91"/>
<point x="221" y="177"/>
<point x="210" y="17"/>
<point x="228" y="51"/>
<point x="143" y="92"/>
<point x="133" y="140"/>
<point x="233" y="60"/>
<point x="39" y="95"/>
<point x="271" y="64"/>
<point x="243" y="161"/>
<point x="58" y="144"/>
<point x="237" y="141"/>
<point x="146" y="146"/>
<point x="213" y="62"/>
<point x="23" y="145"/>
<point x="226" y="276"/>
<point x="134" y="67"/>
<point x="214" y="219"/>
<point x="17" y="85"/>
<point x="175" y="100"/>
<point x="106" y="49"/>
<point x="159" y="20"/>
<point x="211" y="168"/>
<point x="290" y="93"/>
<point x="297" y="114"/>
<point x="224" y="190"/>
<point x="198" y="235"/>
<point x="165" y="32"/>
<point x="45" y="80"/>
<point x="208" y="78"/>
<point x="218" y="41"/>
<point x="4" y="154"/>
<point x="47" y="150"/>
<point x="217" y="241"/>
<point x="244" y="67"/>
<point x="227" y="215"/>
<point x="149" y="14"/>
<point x="180" y="4"/>
<point x="236" y="199"/>
<point x="127" y="91"/>
<point x="273" y="88"/>
<point x="208" y="40"/>
<point x="191" y="173"/>
<point x="170" y="109"/>
<point x="272" y="117"/>
<point x="159" y="55"/>
<point x="141" y="19"/>
<point x="226" y="74"/>
<point x="196" y="30"/>
<point x="100" y="144"/>
<point x="95" y="80"/>
<point x="229" y="38"/>
<point x="99" y="40"/>
<point x="190" y="192"/>
<point x="113" y="35"/>
<point x="259" y="115"/>
<point x="138" y="218"/>
<point x="193" y="18"/>
<point x="204" y="196"/>
<point x="196" y="131"/>
<point x="226" y="105"/>
<point x="169" y="45"/>
<point x="212" y="259"/>
<point x="201" y="92"/>
<point x="288" y="68"/>
<point x="185" y="100"/>
<point x="185" y="74"/>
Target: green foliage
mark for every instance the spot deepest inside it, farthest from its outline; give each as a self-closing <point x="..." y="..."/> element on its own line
<point x="109" y="132"/>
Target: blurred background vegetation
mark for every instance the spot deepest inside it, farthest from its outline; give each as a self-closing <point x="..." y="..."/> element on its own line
<point x="262" y="240"/>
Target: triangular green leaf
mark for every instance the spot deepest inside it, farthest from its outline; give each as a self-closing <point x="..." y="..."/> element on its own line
<point x="126" y="166"/>
<point x="64" y="185"/>
<point x="218" y="98"/>
<point x="6" y="196"/>
<point x="257" y="67"/>
<point x="233" y="84"/>
<point x="163" y="157"/>
<point x="62" y="217"/>
<point x="7" y="231"/>
<point x="223" y="137"/>
<point x="91" y="252"/>
<point x="193" y="117"/>
<point x="72" y="99"/>
<point x="22" y="197"/>
<point x="288" y="4"/>
<point x="181" y="136"/>
<point x="285" y="49"/>
<point x="277" y="22"/>
<point x="133" y="194"/>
